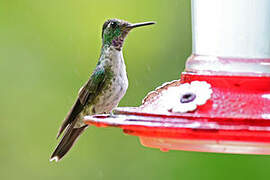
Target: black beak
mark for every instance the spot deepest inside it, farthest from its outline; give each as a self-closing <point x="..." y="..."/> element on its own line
<point x="131" y="26"/>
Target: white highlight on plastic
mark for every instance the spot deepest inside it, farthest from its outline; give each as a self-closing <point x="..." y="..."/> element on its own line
<point x="266" y="116"/>
<point x="266" y="96"/>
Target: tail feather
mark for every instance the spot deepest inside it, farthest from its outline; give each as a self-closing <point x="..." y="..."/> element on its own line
<point x="67" y="141"/>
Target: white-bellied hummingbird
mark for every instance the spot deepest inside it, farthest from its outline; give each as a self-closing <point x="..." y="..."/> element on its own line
<point x="105" y="88"/>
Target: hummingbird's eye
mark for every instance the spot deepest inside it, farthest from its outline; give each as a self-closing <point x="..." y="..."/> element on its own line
<point x="113" y="24"/>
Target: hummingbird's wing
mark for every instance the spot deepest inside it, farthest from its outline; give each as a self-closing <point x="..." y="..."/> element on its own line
<point x="87" y="93"/>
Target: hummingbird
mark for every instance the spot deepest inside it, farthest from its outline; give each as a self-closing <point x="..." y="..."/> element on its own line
<point x="105" y="88"/>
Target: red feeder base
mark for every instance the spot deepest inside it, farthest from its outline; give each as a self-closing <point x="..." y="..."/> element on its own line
<point x="236" y="119"/>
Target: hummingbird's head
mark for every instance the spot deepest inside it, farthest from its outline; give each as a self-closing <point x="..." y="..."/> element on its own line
<point x="115" y="31"/>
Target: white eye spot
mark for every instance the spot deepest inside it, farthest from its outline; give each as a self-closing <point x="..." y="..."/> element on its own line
<point x="113" y="25"/>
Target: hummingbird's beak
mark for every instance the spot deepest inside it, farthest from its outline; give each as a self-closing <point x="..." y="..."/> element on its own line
<point x="131" y="26"/>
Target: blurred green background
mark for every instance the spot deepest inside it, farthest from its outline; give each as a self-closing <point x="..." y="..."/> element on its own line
<point x="48" y="50"/>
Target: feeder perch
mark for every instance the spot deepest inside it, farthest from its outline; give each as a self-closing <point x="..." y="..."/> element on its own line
<point x="222" y="101"/>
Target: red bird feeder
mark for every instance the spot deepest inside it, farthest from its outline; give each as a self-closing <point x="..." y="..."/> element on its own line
<point x="222" y="101"/>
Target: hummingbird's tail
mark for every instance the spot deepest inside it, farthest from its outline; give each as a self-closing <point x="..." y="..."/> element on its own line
<point x="67" y="141"/>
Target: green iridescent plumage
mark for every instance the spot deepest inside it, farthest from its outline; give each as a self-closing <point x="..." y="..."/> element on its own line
<point x="110" y="35"/>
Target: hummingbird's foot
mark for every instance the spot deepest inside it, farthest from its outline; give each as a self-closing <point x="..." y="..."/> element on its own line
<point x="111" y="114"/>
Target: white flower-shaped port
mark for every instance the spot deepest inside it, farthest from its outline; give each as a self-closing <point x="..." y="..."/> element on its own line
<point x="187" y="97"/>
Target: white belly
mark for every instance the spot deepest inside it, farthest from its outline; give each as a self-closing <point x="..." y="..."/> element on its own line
<point x="110" y="97"/>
